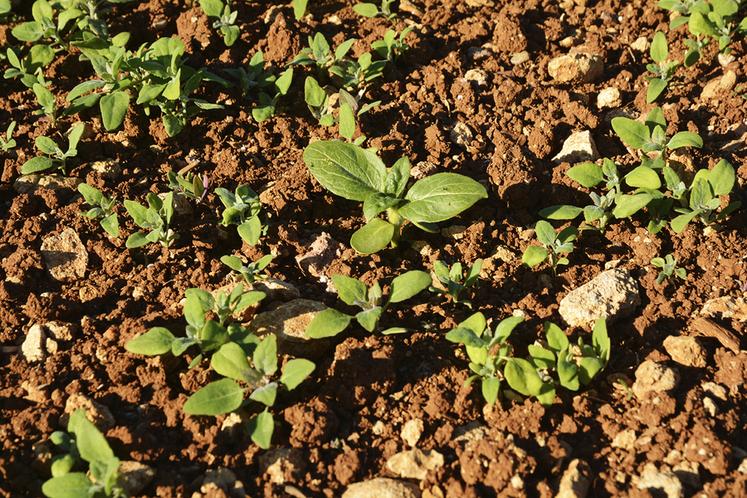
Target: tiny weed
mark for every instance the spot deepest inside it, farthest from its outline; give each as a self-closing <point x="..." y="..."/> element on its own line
<point x="54" y="156"/>
<point x="154" y="219"/>
<point x="668" y="269"/>
<point x="555" y="246"/>
<point x="102" y="208"/>
<point x="453" y="282"/>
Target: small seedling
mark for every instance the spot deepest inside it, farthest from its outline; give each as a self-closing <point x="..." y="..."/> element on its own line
<point x="5" y="7"/>
<point x="225" y="19"/>
<point x="453" y="281"/>
<point x="358" y="174"/>
<point x="87" y="467"/>
<point x="299" y="8"/>
<point x="393" y="45"/>
<point x="668" y="269"/>
<point x="662" y="69"/>
<point x="155" y="219"/>
<point x="269" y="88"/>
<point x="384" y="9"/>
<point x="7" y="142"/>
<point x="54" y="156"/>
<point x="189" y="185"/>
<point x="370" y="300"/>
<point x="45" y="98"/>
<point x="250" y="272"/>
<point x="555" y="246"/>
<point x="102" y="208"/>
<point x="242" y="208"/>
<point x="28" y="68"/>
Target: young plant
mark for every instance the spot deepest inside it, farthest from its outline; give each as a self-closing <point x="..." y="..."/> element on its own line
<point x="359" y="175"/>
<point x="453" y="282"/>
<point x="662" y="69"/>
<point x="299" y="8"/>
<point x="250" y="272"/>
<point x="668" y="269"/>
<point x="87" y="467"/>
<point x="54" y="156"/>
<point x="45" y="98"/>
<point x="7" y="142"/>
<point x="555" y="246"/>
<point x="154" y="219"/>
<point x="393" y="45"/>
<point x="242" y="209"/>
<point x="225" y="19"/>
<point x="189" y="185"/>
<point x="370" y="300"/>
<point x="384" y="9"/>
<point x="29" y="67"/>
<point x="102" y="208"/>
<point x="321" y="104"/>
<point x="269" y="87"/>
<point x="5" y="7"/>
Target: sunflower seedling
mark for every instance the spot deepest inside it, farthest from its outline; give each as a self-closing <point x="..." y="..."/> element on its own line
<point x="7" y="142"/>
<point x="54" y="156"/>
<point x="359" y="175"/>
<point x="555" y="246"/>
<point x="224" y="19"/>
<point x="102" y="208"/>
<point x="668" y="269"/>
<point x="250" y="272"/>
<point x="453" y="282"/>
<point x="242" y="209"/>
<point x="154" y="219"/>
<point x="662" y="69"/>
<point x="370" y="300"/>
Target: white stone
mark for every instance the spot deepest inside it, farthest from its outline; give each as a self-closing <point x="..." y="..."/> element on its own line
<point x="411" y="431"/>
<point x="382" y="487"/>
<point x="575" y="481"/>
<point x="609" y="98"/>
<point x="65" y="255"/>
<point x="612" y="294"/>
<point x="414" y="463"/>
<point x="686" y="351"/>
<point x="579" y="67"/>
<point x="666" y="482"/>
<point x="654" y="377"/>
<point x="33" y="345"/>
<point x="579" y="146"/>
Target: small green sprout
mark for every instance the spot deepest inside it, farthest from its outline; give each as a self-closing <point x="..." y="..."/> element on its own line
<point x="669" y="269"/>
<point x="555" y="246"/>
<point x="384" y="10"/>
<point x="299" y="8"/>
<point x="662" y="69"/>
<point x="250" y="272"/>
<point x="189" y="185"/>
<point x="242" y="208"/>
<point x="225" y="19"/>
<point x="269" y="87"/>
<point x="154" y="219"/>
<point x="45" y="98"/>
<point x="54" y="156"/>
<point x="102" y="208"/>
<point x="393" y="45"/>
<point x="370" y="300"/>
<point x="453" y="282"/>
<point x="7" y="142"/>
<point x="28" y="68"/>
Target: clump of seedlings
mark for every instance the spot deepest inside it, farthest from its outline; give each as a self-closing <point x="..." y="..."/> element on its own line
<point x="102" y="208"/>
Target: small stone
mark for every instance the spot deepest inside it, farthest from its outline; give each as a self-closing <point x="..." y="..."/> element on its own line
<point x="726" y="306"/>
<point x="725" y="59"/>
<point x="654" y="377"/>
<point x="60" y="330"/>
<point x="719" y="86"/>
<point x="414" y="463"/>
<point x="378" y="428"/>
<point x="65" y="255"/>
<point x="28" y="183"/>
<point x="97" y="413"/>
<point x="710" y="406"/>
<point x="411" y="431"/>
<point x="281" y="464"/>
<point x="580" y="67"/>
<point x="322" y="251"/>
<point x="33" y="345"/>
<point x="134" y="477"/>
<point x="575" y="481"/>
<point x="33" y="393"/>
<point x="107" y="167"/>
<point x="517" y="482"/>
<point x="624" y="439"/>
<point x="609" y="98"/>
<point x="578" y="147"/>
<point x="288" y="322"/>
<point x="461" y="135"/>
<point x="477" y="76"/>
<point x="519" y="58"/>
<point x="220" y="482"/>
<point x="504" y="254"/>
<point x="232" y="424"/>
<point x="743" y="466"/>
<point x="382" y="487"/>
<point x="686" y="351"/>
<point x="716" y="390"/>
<point x="665" y="482"/>
<point x="612" y="294"/>
<point x="640" y="44"/>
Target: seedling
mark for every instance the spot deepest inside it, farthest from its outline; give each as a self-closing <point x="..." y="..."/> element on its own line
<point x="5" y="7"/>
<point x="453" y="282"/>
<point x="28" y="68"/>
<point x="663" y="69"/>
<point x="269" y="88"/>
<point x="54" y="156"/>
<point x="242" y="209"/>
<point x="154" y="219"/>
<point x="189" y="185"/>
<point x="555" y="246"/>
<point x="102" y="208"/>
<point x="45" y="98"/>
<point x="358" y="174"/>
<point x="225" y="19"/>
<point x="384" y="9"/>
<point x="250" y="272"/>
<point x="87" y="466"/>
<point x="668" y="269"/>
<point x="7" y="142"/>
<point x="370" y="300"/>
<point x="320" y="102"/>
<point x="393" y="45"/>
<point x="299" y="8"/>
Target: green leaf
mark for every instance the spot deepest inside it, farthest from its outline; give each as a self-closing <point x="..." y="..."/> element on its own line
<point x="73" y="485"/>
<point x="216" y="398"/>
<point x="633" y="133"/>
<point x="643" y="177"/>
<point x="655" y="88"/>
<point x="113" y="109"/>
<point x="397" y="177"/>
<point x="295" y="372"/>
<point x="534" y="255"/>
<point x="231" y="361"/>
<point x="250" y="231"/>
<point x="373" y="236"/>
<point x="490" y="388"/>
<point x="600" y="339"/>
<point x="352" y="291"/>
<point x="299" y="8"/>
<point x="568" y="372"/>
<point x="659" y="48"/>
<point x="369" y="319"/>
<point x="35" y="164"/>
<point x="366" y="9"/>
<point x="377" y="203"/>
<point x="440" y="197"/>
<point x="541" y="357"/>
<point x="137" y="239"/>
<point x="628" y="205"/>
<point x="679" y="223"/>
<point x="196" y="303"/>
<point x="505" y="327"/>
<point x="345" y="169"/>
<point x="91" y="443"/>
<point x="327" y="323"/>
<point x="556" y="338"/>
<point x="265" y="394"/>
<point x="265" y="356"/>
<point x="545" y="233"/>
<point x="314" y="95"/>
<point x="561" y="212"/>
<point x="347" y="121"/>
<point x="588" y="367"/>
<point x="261" y="428"/>
<point x="522" y="377"/>
<point x="463" y="335"/>
<point x="408" y="284"/>
<point x="587" y="174"/>
<point x="685" y="139"/>
<point x="722" y="178"/>
<point x="28" y="31"/>
<point x="156" y="341"/>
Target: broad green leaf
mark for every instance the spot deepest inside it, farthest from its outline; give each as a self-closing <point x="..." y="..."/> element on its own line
<point x="366" y="9"/>
<point x="722" y="178"/>
<point x="261" y="428"/>
<point x="231" y="361"/>
<point x="397" y="177"/>
<point x="588" y="367"/>
<point x="440" y="197"/>
<point x="408" y="284"/>
<point x="92" y="195"/>
<point x="659" y="48"/>
<point x="250" y="231"/>
<point x="265" y="394"/>
<point x="685" y="139"/>
<point x="314" y="95"/>
<point x="196" y="303"/>
<point x="587" y="174"/>
<point x="265" y="356"/>
<point x="295" y="372"/>
<point x="534" y="255"/>
<point x="155" y="342"/>
<point x="561" y="212"/>
<point x="91" y="443"/>
<point x="628" y="205"/>
<point x="463" y="335"/>
<point x="568" y="372"/>
<point x="328" y="323"/>
<point x="541" y="357"/>
<point x="216" y="398"/>
<point x="373" y="236"/>
<point x="476" y="323"/>
<point x="655" y="88"/>
<point x="113" y="109"/>
<point x="369" y="319"/>
<point x="35" y="164"/>
<point x="700" y="25"/>
<point x="345" y="169"/>
<point x="633" y="133"/>
<point x="546" y="395"/>
<point x="600" y="340"/>
<point x="545" y="233"/>
<point x="490" y="388"/>
<point x="679" y="223"/>
<point x="505" y="327"/>
<point x="522" y="377"/>
<point x="28" y="31"/>
<point x="347" y="121"/>
<point x="643" y="177"/>
<point x="350" y="290"/>
<point x="556" y="338"/>
<point x="299" y="8"/>
<point x="137" y="239"/>
<point x="73" y="485"/>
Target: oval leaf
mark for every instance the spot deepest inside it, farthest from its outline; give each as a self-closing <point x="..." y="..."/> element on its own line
<point x="216" y="398"/>
<point x="373" y="236"/>
<point x="440" y="197"/>
<point x="156" y="341"/>
<point x="345" y="169"/>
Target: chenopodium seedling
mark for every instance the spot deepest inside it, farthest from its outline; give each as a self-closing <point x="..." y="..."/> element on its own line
<point x="453" y="282"/>
<point x="83" y="446"/>
<point x="668" y="268"/>
<point x="555" y="245"/>
<point x="250" y="272"/>
<point x="225" y="19"/>
<point x="370" y="300"/>
<point x="242" y="208"/>
<point x="189" y="185"/>
<point x="102" y="208"/>
<point x="154" y="219"/>
<point x="7" y="142"/>
<point x="662" y="69"/>
<point x="54" y="156"/>
<point x="359" y="174"/>
<point x="269" y="87"/>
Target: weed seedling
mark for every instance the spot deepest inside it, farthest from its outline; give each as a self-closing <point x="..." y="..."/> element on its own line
<point x="662" y="69"/>
<point x="154" y="219"/>
<point x="242" y="209"/>
<point x="668" y="269"/>
<point x="7" y="142"/>
<point x="370" y="300"/>
<point x="393" y="45"/>
<point x="555" y="246"/>
<point x="384" y="9"/>
<point x="269" y="88"/>
<point x="299" y="8"/>
<point x="453" y="281"/>
<point x="224" y="19"/>
<point x="250" y="272"/>
<point x="189" y="185"/>
<point x="54" y="156"/>
<point x="102" y="208"/>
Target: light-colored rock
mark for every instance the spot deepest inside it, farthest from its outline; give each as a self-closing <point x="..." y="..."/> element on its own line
<point x="97" y="413"/>
<point x="411" y="431"/>
<point x="640" y="44"/>
<point x="666" y="482"/>
<point x="611" y="294"/>
<point x="288" y="321"/>
<point x="108" y="167"/>
<point x="322" y="251"/>
<point x="624" y="439"/>
<point x="575" y="481"/>
<point x="654" y="377"/>
<point x="414" y="463"/>
<point x="477" y="76"/>
<point x="382" y="487"/>
<point x="33" y="345"/>
<point x="609" y="98"/>
<point x="519" y="58"/>
<point x="280" y="462"/>
<point x="580" y="67"/>
<point x="719" y="86"/>
<point x="134" y="477"/>
<point x="686" y="351"/>
<point x="33" y="392"/>
<point x="578" y="147"/>
<point x="718" y="391"/>
<point x="710" y="406"/>
<point x="743" y="466"/>
<point x="28" y="183"/>
<point x="60" y="330"/>
<point x="727" y="307"/>
<point x="725" y="59"/>
<point x="65" y="255"/>
<point x="221" y="482"/>
<point x="461" y="134"/>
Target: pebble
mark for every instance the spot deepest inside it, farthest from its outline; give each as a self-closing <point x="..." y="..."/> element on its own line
<point x="579" y="67"/>
<point x="519" y="58"/>
<point x="651" y="376"/>
<point x="414" y="463"/>
<point x="727" y="307"/>
<point x="322" y="251"/>
<point x="579" y="146"/>
<point x="461" y="134"/>
<point x="640" y="44"/>
<point x="289" y="322"/>
<point x="60" y="330"/>
<point x="279" y="463"/>
<point x="65" y="255"/>
<point x="221" y="482"/>
<point x="411" y="431"/>
<point x="719" y="86"/>
<point x="624" y="439"/>
<point x="382" y="487"/>
<point x="477" y="76"/>
<point x="28" y="183"/>
<point x="609" y="98"/>
<point x="612" y="294"/>
<point x="665" y="482"/>
<point x="686" y="351"/>
<point x="33" y="345"/>
<point x="718" y="391"/>
<point x="710" y="406"/>
<point x="134" y="477"/>
<point x="97" y="413"/>
<point x="575" y="481"/>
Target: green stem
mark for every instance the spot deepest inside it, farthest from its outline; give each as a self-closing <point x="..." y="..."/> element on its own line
<point x="395" y="219"/>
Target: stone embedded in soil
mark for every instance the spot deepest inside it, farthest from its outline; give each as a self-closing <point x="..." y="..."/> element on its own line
<point x="382" y="487"/>
<point x="624" y="439"/>
<point x="414" y="463"/>
<point x="609" y="98"/>
<point x="575" y="481"/>
<point x="289" y="322"/>
<point x="134" y="477"/>
<point x="281" y="464"/>
<point x="653" y="377"/>
<point x="65" y="255"/>
<point x="322" y="251"/>
<point x="719" y="86"/>
<point x="686" y="351"/>
<point x="461" y="134"/>
<point x="520" y="58"/>
<point x="640" y="44"/>
<point x="477" y="76"/>
<point x="411" y="431"/>
<point x="28" y="183"/>
<point x="578" y="147"/>
<point x="663" y="482"/>
<point x="612" y="294"/>
<point x="220" y="482"/>
<point x="580" y="67"/>
<point x="33" y="345"/>
<point x="727" y="307"/>
<point x="97" y="413"/>
<point x="60" y="330"/>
